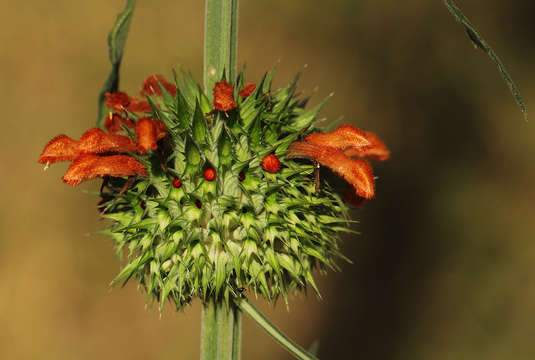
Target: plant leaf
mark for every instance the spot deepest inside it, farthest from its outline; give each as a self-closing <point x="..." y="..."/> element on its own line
<point x="480" y="43"/>
<point x="116" y="42"/>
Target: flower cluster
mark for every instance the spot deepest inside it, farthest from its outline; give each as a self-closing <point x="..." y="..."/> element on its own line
<point x="99" y="154"/>
<point x="216" y="199"/>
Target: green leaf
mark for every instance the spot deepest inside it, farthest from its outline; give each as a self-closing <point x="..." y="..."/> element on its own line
<point x="480" y="43"/>
<point x="193" y="158"/>
<point x="116" y="42"/>
<point x="199" y="125"/>
<point x="255" y="315"/>
<point x="305" y="120"/>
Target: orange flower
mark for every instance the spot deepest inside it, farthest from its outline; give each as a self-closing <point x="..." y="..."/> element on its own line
<point x="117" y="101"/>
<point x="88" y="167"/>
<point x="344" y="137"/>
<point x="271" y="163"/>
<point x="377" y="150"/>
<point x="151" y="87"/>
<point x="146" y="136"/>
<point x="148" y="132"/>
<point x="96" y="141"/>
<point x="136" y="105"/>
<point x="224" y="96"/>
<point x="114" y="123"/>
<point x="247" y="89"/>
<point x="356" y="172"/>
<point x="60" y="148"/>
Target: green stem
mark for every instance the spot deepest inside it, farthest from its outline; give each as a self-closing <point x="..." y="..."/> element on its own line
<point x="220" y="42"/>
<point x="294" y="349"/>
<point x="221" y="322"/>
<point x="220" y="331"/>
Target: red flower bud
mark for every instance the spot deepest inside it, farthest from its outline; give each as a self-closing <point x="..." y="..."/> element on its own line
<point x="224" y="96"/>
<point x="241" y="176"/>
<point x="247" y="89"/>
<point x="177" y="183"/>
<point x="60" y="148"/>
<point x="198" y="203"/>
<point x="271" y="163"/>
<point x="209" y="174"/>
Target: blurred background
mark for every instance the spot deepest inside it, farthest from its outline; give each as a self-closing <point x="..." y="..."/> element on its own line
<point x="445" y="265"/>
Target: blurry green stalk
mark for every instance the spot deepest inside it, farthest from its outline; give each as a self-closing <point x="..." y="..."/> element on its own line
<point x="221" y="324"/>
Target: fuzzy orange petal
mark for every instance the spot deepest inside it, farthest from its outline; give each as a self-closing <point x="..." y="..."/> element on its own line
<point x="151" y="87"/>
<point x="60" y="148"/>
<point x="356" y="172"/>
<point x="146" y="135"/>
<point x="96" y="141"/>
<point x="377" y="150"/>
<point x="114" y="123"/>
<point x="160" y="129"/>
<point x="117" y="101"/>
<point x="224" y="96"/>
<point x="88" y="167"/>
<point x="136" y="105"/>
<point x="344" y="137"/>
<point x="247" y="89"/>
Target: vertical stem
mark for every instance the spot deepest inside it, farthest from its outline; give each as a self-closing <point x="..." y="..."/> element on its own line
<point x="220" y="42"/>
<point x="221" y="323"/>
<point x="220" y="331"/>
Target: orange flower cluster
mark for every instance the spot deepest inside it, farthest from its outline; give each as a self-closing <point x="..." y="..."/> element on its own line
<point x="224" y="95"/>
<point x="343" y="150"/>
<point x="97" y="153"/>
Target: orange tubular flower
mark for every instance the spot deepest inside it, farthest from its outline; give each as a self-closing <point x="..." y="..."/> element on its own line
<point x="344" y="137"/>
<point x="247" y="89"/>
<point x="377" y="150"/>
<point x="146" y="135"/>
<point x="88" y="167"/>
<point x="224" y="96"/>
<point x="117" y="101"/>
<point x="356" y="172"/>
<point x="60" y="148"/>
<point x="96" y="141"/>
<point x="114" y="123"/>
<point x="136" y="105"/>
<point x="151" y="87"/>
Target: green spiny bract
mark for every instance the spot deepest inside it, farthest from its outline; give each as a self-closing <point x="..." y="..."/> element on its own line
<point x="266" y="232"/>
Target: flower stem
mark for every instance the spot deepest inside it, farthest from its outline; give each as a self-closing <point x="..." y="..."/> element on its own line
<point x="220" y="331"/>
<point x="221" y="322"/>
<point x="220" y="42"/>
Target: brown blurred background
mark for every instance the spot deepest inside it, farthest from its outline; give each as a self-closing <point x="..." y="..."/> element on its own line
<point x="444" y="268"/>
